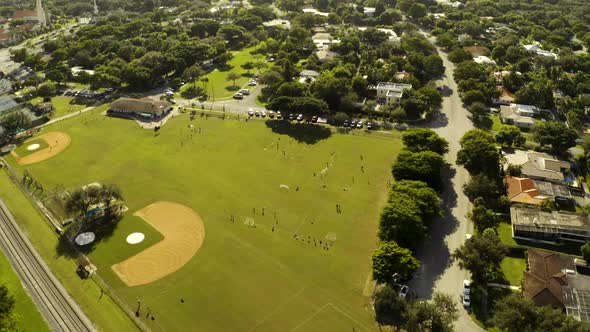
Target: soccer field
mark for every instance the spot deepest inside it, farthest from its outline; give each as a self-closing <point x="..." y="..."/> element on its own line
<point x="266" y="200"/>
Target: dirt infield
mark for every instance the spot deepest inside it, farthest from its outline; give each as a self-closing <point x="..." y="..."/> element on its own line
<point x="57" y="141"/>
<point x="183" y="232"/>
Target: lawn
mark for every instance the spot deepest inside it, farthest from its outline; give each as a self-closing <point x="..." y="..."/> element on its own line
<point x="23" y="150"/>
<point x="513" y="269"/>
<point x="103" y="311"/>
<point x="219" y="86"/>
<point x="62" y="105"/>
<point x="242" y="278"/>
<point x="29" y="318"/>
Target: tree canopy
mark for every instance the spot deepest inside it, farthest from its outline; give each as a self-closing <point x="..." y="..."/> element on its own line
<point x="424" y="139"/>
<point x="478" y="153"/>
<point x="481" y="255"/>
<point x="389" y="259"/>
<point x="555" y="134"/>
<point x="420" y="166"/>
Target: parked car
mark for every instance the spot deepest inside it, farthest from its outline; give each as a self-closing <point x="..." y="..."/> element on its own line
<point x="263" y="114"/>
<point x="252" y="83"/>
<point x="345" y="124"/>
<point x="279" y="115"/>
<point x="256" y="113"/>
<point x="250" y="113"/>
<point x="314" y="119"/>
<point x="466" y="287"/>
<point x="353" y="124"/>
<point x="359" y="124"/>
<point x="300" y="117"/>
<point x="291" y="117"/>
<point x="403" y="292"/>
<point x="245" y="92"/>
<point x="238" y="96"/>
<point x="271" y="114"/>
<point x="369" y="125"/>
<point x="466" y="301"/>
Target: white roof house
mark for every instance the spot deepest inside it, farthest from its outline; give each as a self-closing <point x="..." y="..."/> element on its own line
<point x="518" y="115"/>
<point x="482" y="59"/>
<point x="391" y="93"/>
<point x="315" y="12"/>
<point x="369" y="11"/>
<point x="392" y="35"/>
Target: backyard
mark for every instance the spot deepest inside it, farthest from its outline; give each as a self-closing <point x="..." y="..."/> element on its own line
<point x="276" y="255"/>
<point x="62" y="105"/>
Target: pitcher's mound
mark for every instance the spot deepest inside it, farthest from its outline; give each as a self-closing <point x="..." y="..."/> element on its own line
<point x="135" y="238"/>
<point x="57" y="142"/>
<point x="183" y="232"/>
<point x="33" y="147"/>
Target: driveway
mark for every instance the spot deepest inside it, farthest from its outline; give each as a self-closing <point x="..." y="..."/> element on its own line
<point x="438" y="272"/>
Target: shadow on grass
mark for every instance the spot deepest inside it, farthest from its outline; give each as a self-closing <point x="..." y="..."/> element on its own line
<point x="103" y="227"/>
<point x="232" y="87"/>
<point x="483" y="122"/>
<point x="308" y="133"/>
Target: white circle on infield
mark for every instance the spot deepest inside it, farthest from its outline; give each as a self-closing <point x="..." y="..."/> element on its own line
<point x="33" y="147"/>
<point x="135" y="238"/>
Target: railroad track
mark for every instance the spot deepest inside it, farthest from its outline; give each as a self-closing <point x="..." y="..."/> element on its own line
<point x="53" y="301"/>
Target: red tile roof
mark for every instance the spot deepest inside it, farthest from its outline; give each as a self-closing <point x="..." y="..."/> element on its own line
<point x="523" y="190"/>
<point x="24" y="13"/>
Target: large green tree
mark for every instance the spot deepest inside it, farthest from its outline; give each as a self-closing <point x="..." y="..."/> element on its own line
<point x="425" y="198"/>
<point x="421" y="166"/>
<point x="390" y="308"/>
<point x="555" y="134"/>
<point x="437" y="315"/>
<point x="481" y="255"/>
<point x="7" y="317"/>
<point x="15" y="121"/>
<point x="424" y="139"/>
<point x="389" y="259"/>
<point x="478" y="153"/>
<point x="482" y="217"/>
<point x="401" y="222"/>
<point x="509" y="135"/>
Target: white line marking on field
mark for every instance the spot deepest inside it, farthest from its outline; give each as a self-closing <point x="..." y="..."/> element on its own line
<point x="278" y="308"/>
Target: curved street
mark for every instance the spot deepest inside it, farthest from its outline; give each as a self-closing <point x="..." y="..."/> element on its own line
<point x="55" y="304"/>
<point x="438" y="272"/>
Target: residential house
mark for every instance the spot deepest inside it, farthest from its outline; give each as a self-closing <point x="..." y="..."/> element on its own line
<point x="554" y="280"/>
<point x="7" y="105"/>
<point x="144" y="108"/>
<point x="518" y="115"/>
<point x="537" y="165"/>
<point x="549" y="227"/>
<point x="506" y="97"/>
<point x="484" y="60"/>
<point x="78" y="69"/>
<point x="7" y="38"/>
<point x="315" y="12"/>
<point x="308" y="76"/>
<point x="391" y="93"/>
<point x="392" y="35"/>
<point x="369" y="11"/>
<point x="27" y="15"/>
<point x="43" y="108"/>
<point x="546" y="277"/>
<point x="528" y="191"/>
<point x="5" y="86"/>
<point x="536" y="49"/>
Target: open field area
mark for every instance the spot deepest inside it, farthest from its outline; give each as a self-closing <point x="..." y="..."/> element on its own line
<point x="219" y="86"/>
<point x="267" y="196"/>
<point x="29" y="318"/>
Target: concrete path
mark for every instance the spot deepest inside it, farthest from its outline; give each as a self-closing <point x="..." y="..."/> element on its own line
<point x="493" y="284"/>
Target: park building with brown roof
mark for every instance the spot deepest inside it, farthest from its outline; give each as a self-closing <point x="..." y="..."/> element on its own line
<point x="144" y="108"/>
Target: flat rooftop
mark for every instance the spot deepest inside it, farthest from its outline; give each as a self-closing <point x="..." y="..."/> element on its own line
<point x="393" y="86"/>
<point x="554" y="219"/>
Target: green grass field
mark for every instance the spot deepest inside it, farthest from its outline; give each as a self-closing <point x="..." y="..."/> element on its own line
<point x="22" y="150"/>
<point x="219" y="86"/>
<point x="243" y="278"/>
<point x="29" y="318"/>
<point x="513" y="269"/>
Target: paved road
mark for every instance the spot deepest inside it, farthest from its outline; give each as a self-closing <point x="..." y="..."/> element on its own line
<point x="53" y="301"/>
<point x="438" y="272"/>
